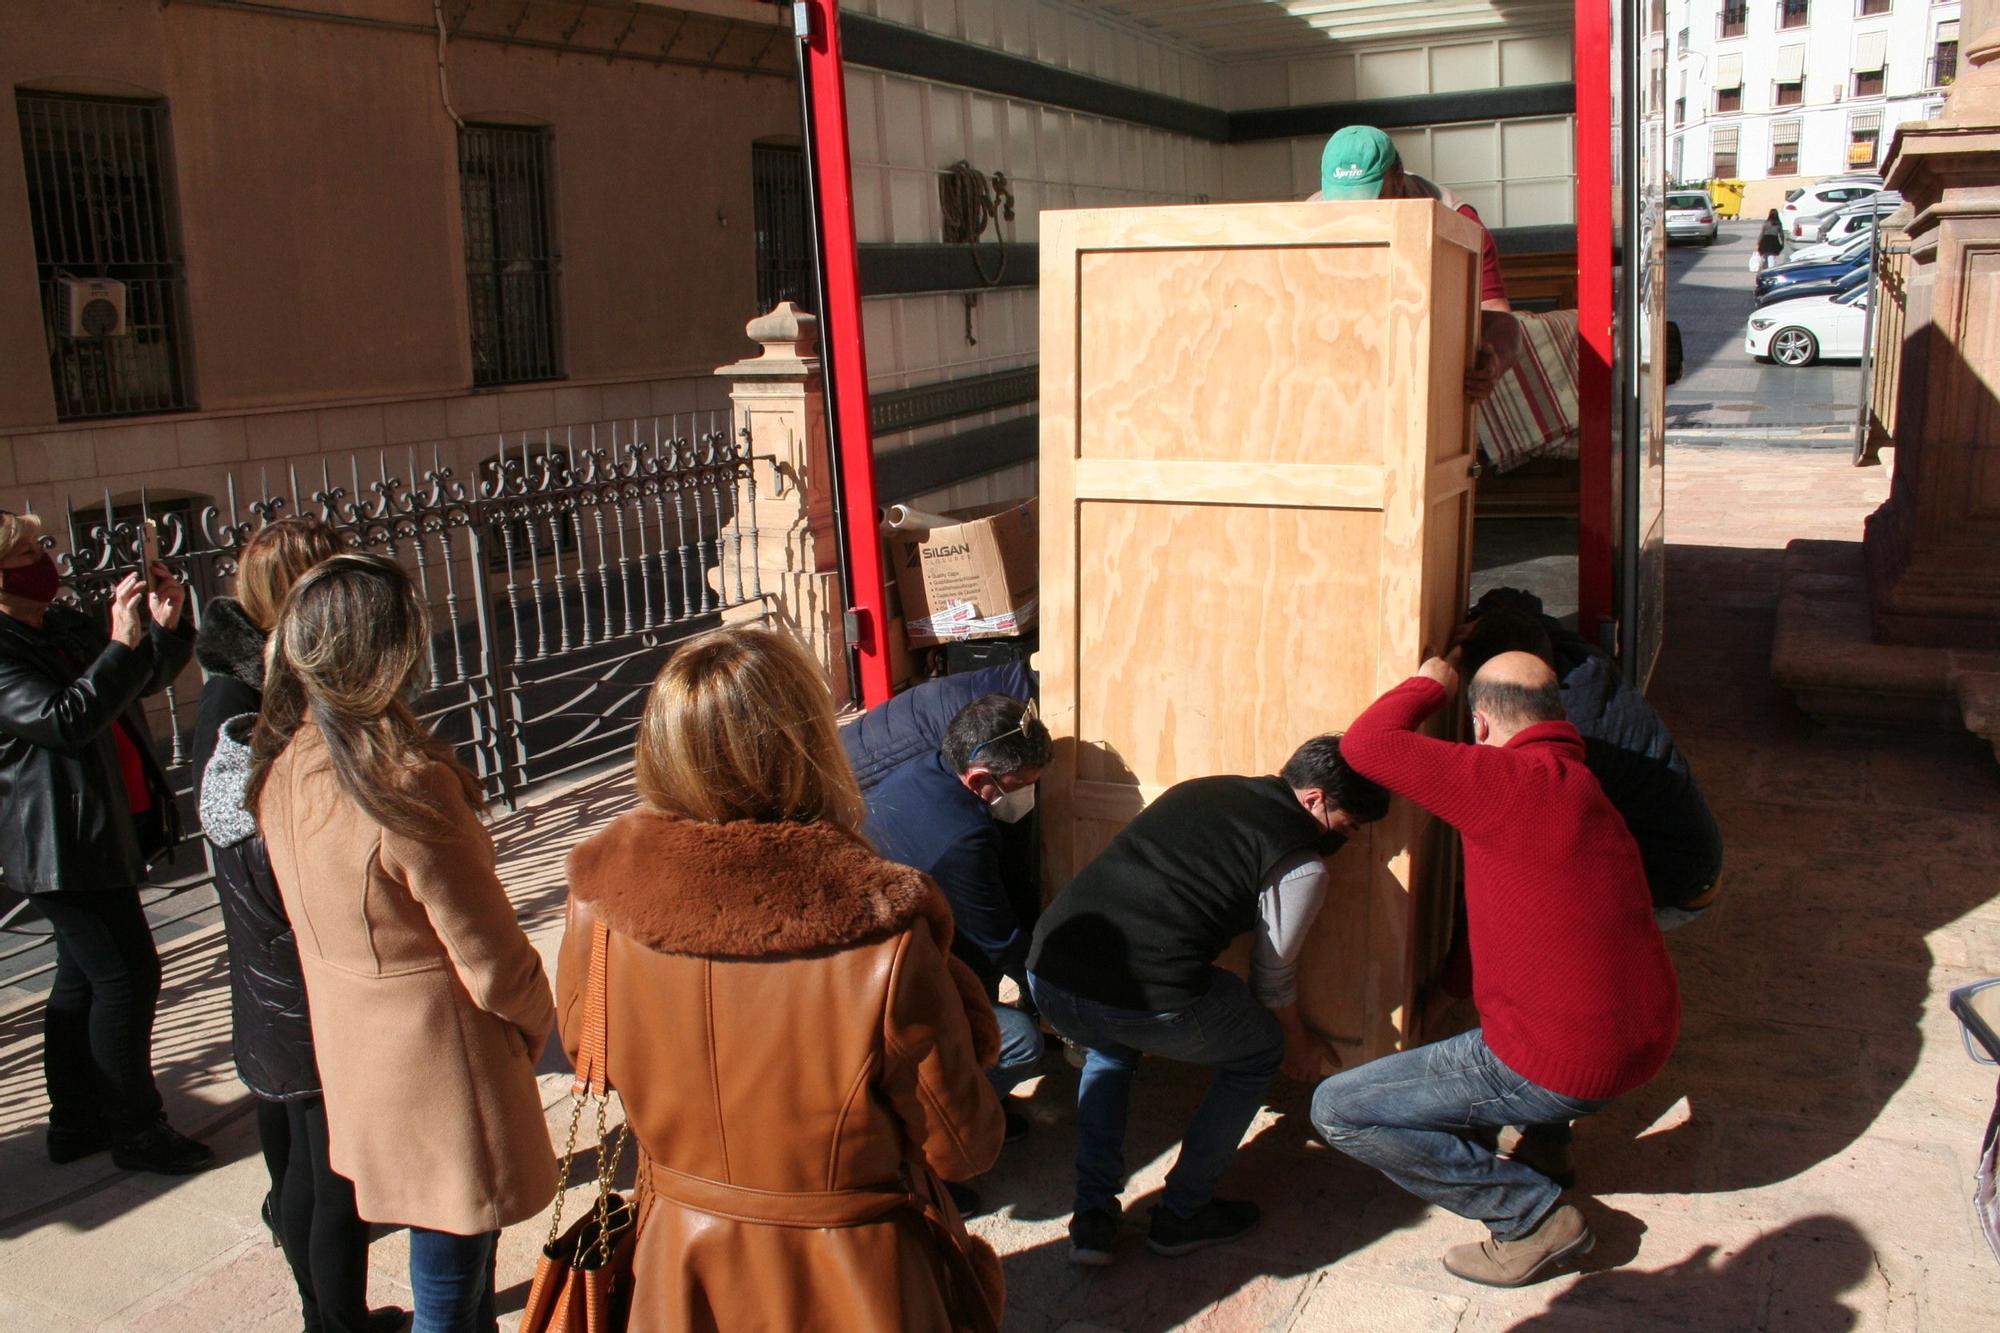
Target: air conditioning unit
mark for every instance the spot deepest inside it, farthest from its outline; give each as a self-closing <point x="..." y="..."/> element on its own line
<point x="92" y="307"/>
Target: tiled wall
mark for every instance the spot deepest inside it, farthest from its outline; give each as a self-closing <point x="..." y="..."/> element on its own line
<point x="1517" y="173"/>
<point x="904" y="131"/>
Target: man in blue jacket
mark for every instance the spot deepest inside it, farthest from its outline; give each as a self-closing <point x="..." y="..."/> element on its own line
<point x="940" y="812"/>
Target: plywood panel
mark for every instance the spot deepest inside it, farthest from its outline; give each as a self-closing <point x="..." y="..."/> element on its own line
<point x="1255" y="458"/>
<point x="1244" y="372"/>
<point x="1207" y="594"/>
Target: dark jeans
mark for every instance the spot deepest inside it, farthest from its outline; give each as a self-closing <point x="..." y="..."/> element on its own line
<point x="452" y="1277"/>
<point x="97" y="1042"/>
<point x="1020" y="1049"/>
<point x="1226" y="1028"/>
<point x="1413" y="1116"/>
<point x="325" y="1240"/>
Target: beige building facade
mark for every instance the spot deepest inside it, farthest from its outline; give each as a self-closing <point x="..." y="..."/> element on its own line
<point x="349" y="225"/>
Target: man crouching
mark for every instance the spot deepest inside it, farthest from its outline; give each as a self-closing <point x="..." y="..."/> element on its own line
<point x="1577" y="994"/>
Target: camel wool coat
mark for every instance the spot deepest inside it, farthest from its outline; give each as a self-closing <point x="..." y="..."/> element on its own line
<point x="801" y="1061"/>
<point x="429" y="1006"/>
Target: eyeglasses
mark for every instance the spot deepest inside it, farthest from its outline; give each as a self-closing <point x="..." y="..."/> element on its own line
<point x="1977" y="1012"/>
<point x="1028" y="718"/>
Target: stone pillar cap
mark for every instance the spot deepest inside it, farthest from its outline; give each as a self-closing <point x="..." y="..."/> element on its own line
<point x="789" y="336"/>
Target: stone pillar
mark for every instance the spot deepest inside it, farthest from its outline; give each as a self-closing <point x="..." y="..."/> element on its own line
<point x="1933" y="549"/>
<point x="778" y="396"/>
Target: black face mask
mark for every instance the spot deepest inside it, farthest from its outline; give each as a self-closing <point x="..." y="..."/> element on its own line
<point x="38" y="582"/>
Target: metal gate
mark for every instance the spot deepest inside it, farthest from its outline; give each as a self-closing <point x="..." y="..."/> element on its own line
<point x="558" y="579"/>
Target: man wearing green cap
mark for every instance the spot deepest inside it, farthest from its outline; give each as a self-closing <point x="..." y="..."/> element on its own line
<point x="1360" y="162"/>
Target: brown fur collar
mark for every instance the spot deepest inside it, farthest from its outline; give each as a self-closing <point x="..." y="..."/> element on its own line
<point x="746" y="890"/>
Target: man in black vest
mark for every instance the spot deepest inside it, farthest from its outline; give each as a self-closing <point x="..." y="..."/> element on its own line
<point x="1123" y="965"/>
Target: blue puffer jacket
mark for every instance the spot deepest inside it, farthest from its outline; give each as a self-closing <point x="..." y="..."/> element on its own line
<point x="914" y="722"/>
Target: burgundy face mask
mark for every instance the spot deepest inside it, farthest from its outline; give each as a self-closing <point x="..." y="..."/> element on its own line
<point x="38" y="582"/>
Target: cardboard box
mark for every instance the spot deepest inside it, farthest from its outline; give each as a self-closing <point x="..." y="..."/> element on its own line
<point x="973" y="579"/>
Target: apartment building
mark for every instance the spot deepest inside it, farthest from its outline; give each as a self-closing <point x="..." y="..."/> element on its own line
<point x="1782" y="90"/>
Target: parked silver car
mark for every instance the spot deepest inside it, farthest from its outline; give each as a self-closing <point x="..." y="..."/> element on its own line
<point x="1691" y="217"/>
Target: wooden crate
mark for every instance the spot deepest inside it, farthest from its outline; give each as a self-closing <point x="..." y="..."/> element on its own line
<point x="1255" y="481"/>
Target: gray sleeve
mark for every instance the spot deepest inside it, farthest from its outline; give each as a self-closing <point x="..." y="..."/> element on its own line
<point x="1286" y="906"/>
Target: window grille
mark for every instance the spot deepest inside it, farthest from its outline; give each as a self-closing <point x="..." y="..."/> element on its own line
<point x="1864" y="136"/>
<point x="1734" y="19"/>
<point x="784" y="259"/>
<point x="1722" y="151"/>
<point x="100" y="205"/>
<point x="1784" y="147"/>
<point x="512" y="270"/>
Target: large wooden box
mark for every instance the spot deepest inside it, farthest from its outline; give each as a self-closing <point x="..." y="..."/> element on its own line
<point x="1256" y="496"/>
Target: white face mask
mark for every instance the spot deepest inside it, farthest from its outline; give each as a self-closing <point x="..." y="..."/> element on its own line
<point x="1012" y="807"/>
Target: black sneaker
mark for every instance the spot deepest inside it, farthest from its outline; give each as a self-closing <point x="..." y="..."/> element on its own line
<point x="163" y="1150"/>
<point x="1219" y="1222"/>
<point x="966" y="1199"/>
<point x="73" y="1145"/>
<point x="1017" y="1126"/>
<point x="388" y="1319"/>
<point x="1091" y="1235"/>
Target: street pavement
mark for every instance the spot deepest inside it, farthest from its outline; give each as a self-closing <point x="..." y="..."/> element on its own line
<point x="1803" y="1164"/>
<point x="1710" y="295"/>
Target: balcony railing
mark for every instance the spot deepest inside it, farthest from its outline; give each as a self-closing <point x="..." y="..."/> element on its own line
<point x="1734" y="20"/>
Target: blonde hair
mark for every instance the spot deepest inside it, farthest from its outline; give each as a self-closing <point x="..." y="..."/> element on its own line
<point x="274" y="559"/>
<point x="739" y="725"/>
<point x="347" y="652"/>
<point x="18" y="530"/>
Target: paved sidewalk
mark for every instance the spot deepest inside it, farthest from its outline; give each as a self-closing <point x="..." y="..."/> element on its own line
<point x="1803" y="1163"/>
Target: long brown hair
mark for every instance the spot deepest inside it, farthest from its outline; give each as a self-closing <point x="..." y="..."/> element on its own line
<point x="347" y="651"/>
<point x="274" y="559"/>
<point x="739" y="725"/>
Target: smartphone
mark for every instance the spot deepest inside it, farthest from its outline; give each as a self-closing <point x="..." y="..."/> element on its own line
<point x="149" y="555"/>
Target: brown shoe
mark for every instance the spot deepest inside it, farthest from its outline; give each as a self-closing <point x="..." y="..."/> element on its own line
<point x="1562" y="1236"/>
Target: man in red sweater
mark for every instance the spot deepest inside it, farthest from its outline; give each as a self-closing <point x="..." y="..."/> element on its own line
<point x="1570" y="973"/>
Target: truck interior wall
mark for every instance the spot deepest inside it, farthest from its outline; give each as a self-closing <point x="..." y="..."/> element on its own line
<point x="905" y="130"/>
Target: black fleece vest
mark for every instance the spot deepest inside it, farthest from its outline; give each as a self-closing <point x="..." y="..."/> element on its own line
<point x="1141" y="925"/>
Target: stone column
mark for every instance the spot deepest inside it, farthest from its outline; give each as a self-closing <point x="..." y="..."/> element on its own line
<point x="1933" y="549"/>
<point x="778" y="396"/>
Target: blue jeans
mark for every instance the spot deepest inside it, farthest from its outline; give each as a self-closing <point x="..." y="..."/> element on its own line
<point x="1411" y="1117"/>
<point x="452" y="1278"/>
<point x="1020" y="1049"/>
<point x="1226" y="1028"/>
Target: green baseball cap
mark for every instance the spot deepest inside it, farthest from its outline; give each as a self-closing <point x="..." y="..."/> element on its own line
<point x="1354" y="163"/>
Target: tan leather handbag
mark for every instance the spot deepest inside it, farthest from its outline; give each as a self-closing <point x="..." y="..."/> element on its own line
<point x="583" y="1281"/>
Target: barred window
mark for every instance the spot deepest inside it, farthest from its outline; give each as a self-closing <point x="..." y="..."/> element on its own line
<point x="1722" y="149"/>
<point x="107" y="254"/>
<point x="784" y="262"/>
<point x="512" y="269"/>
<point x="1784" y="147"/>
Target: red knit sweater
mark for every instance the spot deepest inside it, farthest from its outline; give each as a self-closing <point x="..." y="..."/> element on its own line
<point x="1575" y="989"/>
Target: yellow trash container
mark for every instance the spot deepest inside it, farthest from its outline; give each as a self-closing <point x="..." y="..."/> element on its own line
<point x="1727" y="197"/>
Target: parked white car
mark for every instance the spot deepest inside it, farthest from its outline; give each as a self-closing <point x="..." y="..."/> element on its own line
<point x="1801" y="214"/>
<point x="1842" y="229"/>
<point x="1691" y="217"/>
<point x="1809" y="329"/>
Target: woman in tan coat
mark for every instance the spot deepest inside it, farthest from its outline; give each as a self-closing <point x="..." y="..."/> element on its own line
<point x="799" y="1055"/>
<point x="428" y="1003"/>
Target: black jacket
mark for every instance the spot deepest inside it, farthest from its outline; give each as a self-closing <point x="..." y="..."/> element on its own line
<point x="65" y="823"/>
<point x="230" y="650"/>
<point x="270" y="1024"/>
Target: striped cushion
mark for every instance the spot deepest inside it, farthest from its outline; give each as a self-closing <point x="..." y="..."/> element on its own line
<point x="1532" y="412"/>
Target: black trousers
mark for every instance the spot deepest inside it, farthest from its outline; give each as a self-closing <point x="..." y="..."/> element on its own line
<point x="97" y="1036"/>
<point x="325" y="1240"/>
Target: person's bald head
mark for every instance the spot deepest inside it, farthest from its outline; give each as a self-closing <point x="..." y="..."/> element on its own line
<point x="1511" y="693"/>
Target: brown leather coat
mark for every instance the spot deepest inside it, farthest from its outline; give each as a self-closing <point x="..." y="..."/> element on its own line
<point x="800" y="1060"/>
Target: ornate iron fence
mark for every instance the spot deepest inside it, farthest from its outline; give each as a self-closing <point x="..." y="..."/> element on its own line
<point x="558" y="578"/>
